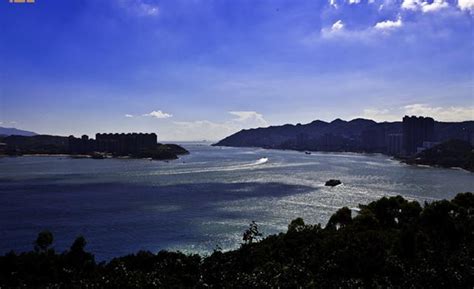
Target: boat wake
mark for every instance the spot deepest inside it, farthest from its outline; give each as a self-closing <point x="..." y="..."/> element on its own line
<point x="235" y="167"/>
<point x="260" y="161"/>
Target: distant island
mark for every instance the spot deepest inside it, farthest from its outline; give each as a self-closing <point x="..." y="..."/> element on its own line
<point x="388" y="243"/>
<point x="130" y="145"/>
<point x="405" y="140"/>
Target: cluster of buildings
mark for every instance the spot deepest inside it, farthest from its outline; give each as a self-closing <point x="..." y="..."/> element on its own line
<point x="417" y="135"/>
<point x="113" y="143"/>
<point x="407" y="138"/>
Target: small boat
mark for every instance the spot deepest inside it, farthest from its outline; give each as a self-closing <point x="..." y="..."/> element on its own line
<point x="307" y="152"/>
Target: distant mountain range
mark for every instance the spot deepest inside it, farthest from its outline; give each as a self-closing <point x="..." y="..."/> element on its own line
<point x="358" y="135"/>
<point x="7" y="131"/>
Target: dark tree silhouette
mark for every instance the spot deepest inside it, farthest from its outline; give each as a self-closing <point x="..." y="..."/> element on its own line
<point x="252" y="233"/>
<point x="297" y="225"/>
<point x="340" y="219"/>
<point x="390" y="243"/>
<point x="43" y="241"/>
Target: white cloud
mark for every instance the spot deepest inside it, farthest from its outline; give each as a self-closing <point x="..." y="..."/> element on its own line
<point x="425" y="6"/>
<point x="453" y="113"/>
<point x="338" y="25"/>
<point x="450" y="113"/>
<point x="380" y="115"/>
<point x="9" y="122"/>
<point x="337" y="28"/>
<point x="148" y="9"/>
<point x="411" y="4"/>
<point x="129" y="115"/>
<point x="140" y="7"/>
<point x="333" y="3"/>
<point x="210" y="130"/>
<point x="435" y="6"/>
<point x="337" y="3"/>
<point x="249" y="116"/>
<point x="202" y="129"/>
<point x="389" y="24"/>
<point x="466" y="5"/>
<point x="158" y="114"/>
<point x="370" y="29"/>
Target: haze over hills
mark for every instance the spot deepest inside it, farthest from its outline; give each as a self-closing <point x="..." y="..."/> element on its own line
<point x="339" y="135"/>
<point x="7" y="131"/>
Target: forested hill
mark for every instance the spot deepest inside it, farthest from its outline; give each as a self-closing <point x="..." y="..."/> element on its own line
<point x="338" y="135"/>
<point x="453" y="153"/>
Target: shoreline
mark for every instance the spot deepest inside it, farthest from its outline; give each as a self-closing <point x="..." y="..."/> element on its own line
<point x="400" y="160"/>
<point x="86" y="157"/>
<point x="303" y="151"/>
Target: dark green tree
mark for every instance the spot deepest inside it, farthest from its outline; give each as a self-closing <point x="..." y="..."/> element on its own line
<point x="297" y="225"/>
<point x="43" y="241"/>
<point x="340" y="219"/>
<point x="78" y="245"/>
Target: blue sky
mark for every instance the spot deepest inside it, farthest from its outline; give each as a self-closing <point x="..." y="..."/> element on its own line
<point x="195" y="69"/>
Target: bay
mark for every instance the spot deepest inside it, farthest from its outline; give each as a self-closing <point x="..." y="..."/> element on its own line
<point x="200" y="202"/>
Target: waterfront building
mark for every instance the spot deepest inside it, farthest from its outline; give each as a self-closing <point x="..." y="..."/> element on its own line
<point x="394" y="143"/>
<point x="124" y="144"/>
<point x="416" y="130"/>
<point x="113" y="143"/>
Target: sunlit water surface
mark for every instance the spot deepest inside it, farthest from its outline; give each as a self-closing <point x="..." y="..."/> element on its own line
<point x="201" y="201"/>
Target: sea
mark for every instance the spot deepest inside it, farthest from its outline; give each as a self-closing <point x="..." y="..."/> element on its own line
<point x="199" y="203"/>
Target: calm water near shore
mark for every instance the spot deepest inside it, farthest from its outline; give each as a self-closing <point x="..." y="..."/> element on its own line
<point x="203" y="200"/>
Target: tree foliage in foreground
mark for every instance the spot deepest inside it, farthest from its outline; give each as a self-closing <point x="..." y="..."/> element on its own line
<point x="390" y="243"/>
